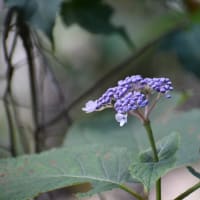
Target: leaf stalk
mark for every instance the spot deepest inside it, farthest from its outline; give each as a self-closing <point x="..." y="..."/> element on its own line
<point x="188" y="192"/>
<point x="132" y="192"/>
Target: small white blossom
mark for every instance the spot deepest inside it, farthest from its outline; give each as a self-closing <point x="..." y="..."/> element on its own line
<point x="90" y="106"/>
<point x="121" y="118"/>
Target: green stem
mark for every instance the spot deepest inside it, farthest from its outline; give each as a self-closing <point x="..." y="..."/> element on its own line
<point x="148" y="128"/>
<point x="188" y="192"/>
<point x="158" y="189"/>
<point x="149" y="131"/>
<point x="12" y="135"/>
<point x="130" y="191"/>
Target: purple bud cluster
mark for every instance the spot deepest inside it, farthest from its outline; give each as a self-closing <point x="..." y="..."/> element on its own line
<point x="129" y="95"/>
<point x="160" y="85"/>
<point x="131" y="101"/>
<point x="106" y="99"/>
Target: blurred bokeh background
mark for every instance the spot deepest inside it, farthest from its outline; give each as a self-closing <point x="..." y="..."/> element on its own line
<point x="165" y="42"/>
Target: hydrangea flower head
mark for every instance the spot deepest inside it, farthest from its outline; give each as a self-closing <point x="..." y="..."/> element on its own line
<point x="133" y="95"/>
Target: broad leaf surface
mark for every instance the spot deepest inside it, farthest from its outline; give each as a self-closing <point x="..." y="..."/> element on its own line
<point x="147" y="171"/>
<point x="94" y="16"/>
<point x="27" y="176"/>
<point x="102" y="128"/>
<point x="39" y="13"/>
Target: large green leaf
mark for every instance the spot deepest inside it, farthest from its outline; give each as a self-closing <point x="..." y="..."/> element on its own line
<point x="147" y="171"/>
<point x="27" y="176"/>
<point x="102" y="128"/>
<point x="93" y="16"/>
<point x="39" y="13"/>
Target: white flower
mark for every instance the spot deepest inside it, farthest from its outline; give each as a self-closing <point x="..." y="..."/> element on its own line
<point x="121" y="118"/>
<point x="90" y="106"/>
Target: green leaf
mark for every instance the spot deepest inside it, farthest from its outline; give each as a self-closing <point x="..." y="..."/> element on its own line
<point x="102" y="128"/>
<point x="94" y="16"/>
<point x="38" y="13"/>
<point x="27" y="176"/>
<point x="147" y="171"/>
<point x="193" y="172"/>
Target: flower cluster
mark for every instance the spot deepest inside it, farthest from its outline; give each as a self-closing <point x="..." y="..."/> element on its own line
<point x="130" y="95"/>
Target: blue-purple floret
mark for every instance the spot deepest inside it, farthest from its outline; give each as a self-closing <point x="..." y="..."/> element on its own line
<point x="127" y="95"/>
<point x="131" y="101"/>
<point x="107" y="98"/>
<point x="130" y="80"/>
<point x="160" y="85"/>
<point x="130" y="94"/>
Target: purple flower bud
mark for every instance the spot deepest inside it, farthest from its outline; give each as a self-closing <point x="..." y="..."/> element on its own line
<point x="161" y="85"/>
<point x="90" y="106"/>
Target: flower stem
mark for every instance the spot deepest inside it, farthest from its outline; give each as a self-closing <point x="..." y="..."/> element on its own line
<point x="158" y="189"/>
<point x="149" y="131"/>
<point x="130" y="191"/>
<point x="188" y="192"/>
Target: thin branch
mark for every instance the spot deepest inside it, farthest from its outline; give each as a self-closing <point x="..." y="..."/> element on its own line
<point x="188" y="191"/>
<point x="47" y="68"/>
<point x="12" y="136"/>
<point x="12" y="117"/>
<point x="24" y="33"/>
<point x="9" y="73"/>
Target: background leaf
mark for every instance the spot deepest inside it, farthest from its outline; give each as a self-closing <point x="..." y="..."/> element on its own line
<point x="185" y="43"/>
<point x="94" y="16"/>
<point x="38" y="13"/>
<point x="27" y="176"/>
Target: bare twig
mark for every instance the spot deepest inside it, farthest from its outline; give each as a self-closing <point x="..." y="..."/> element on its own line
<point x="25" y="35"/>
<point x="13" y="147"/>
<point x="9" y="73"/>
<point x="46" y="65"/>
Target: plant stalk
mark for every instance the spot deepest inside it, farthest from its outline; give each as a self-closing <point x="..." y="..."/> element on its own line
<point x="188" y="192"/>
<point x="12" y="135"/>
<point x="149" y="131"/>
<point x="24" y="33"/>
<point x="130" y="191"/>
<point x="7" y="95"/>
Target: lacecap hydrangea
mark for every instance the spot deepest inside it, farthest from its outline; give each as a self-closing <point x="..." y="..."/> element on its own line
<point x="134" y="95"/>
